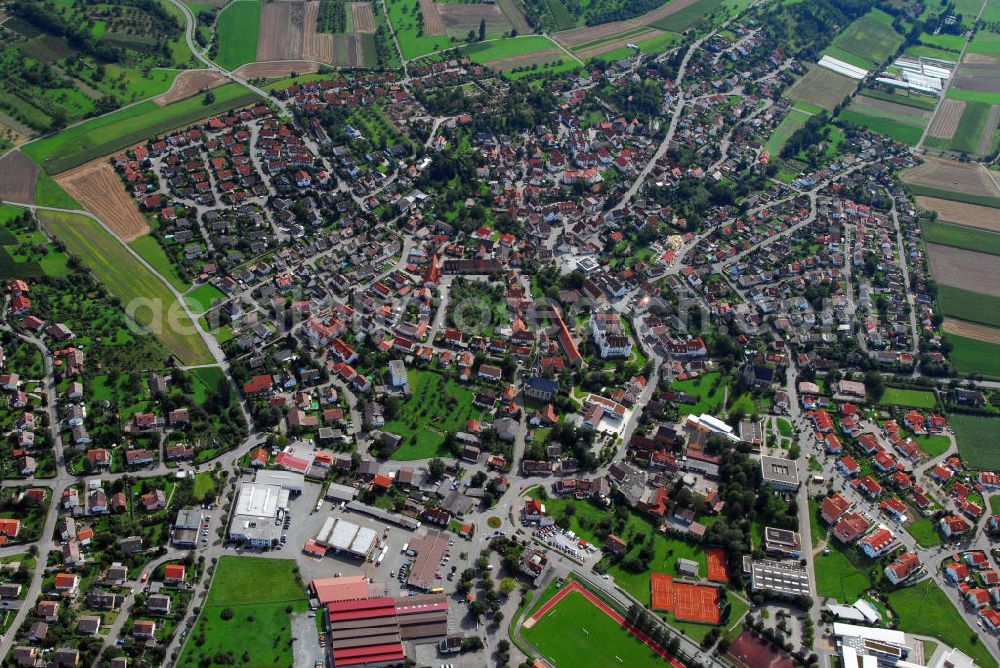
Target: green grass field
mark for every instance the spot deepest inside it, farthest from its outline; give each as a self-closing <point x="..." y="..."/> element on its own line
<point x="933" y="445"/>
<point x="968" y="305"/>
<point x="976" y="438"/>
<point x="918" y="50"/>
<point x="687" y="17"/>
<point x="970" y="127"/>
<point x="152" y="252"/>
<point x="974" y="356"/>
<point x="576" y="628"/>
<point x="895" y="396"/>
<point x="404" y="17"/>
<point x="260" y="631"/>
<point x="902" y="128"/>
<point x="925" y="532"/>
<point x="128" y="280"/>
<point x="961" y="236"/>
<point x="848" y="57"/>
<point x="50" y="193"/>
<point x="985" y="42"/>
<point x="985" y="97"/>
<point x="437" y="405"/>
<point x="945" y="42"/>
<point x="488" y="52"/>
<point x="236" y="29"/>
<point x="710" y="390"/>
<point x="106" y="134"/>
<point x="795" y="119"/>
<point x="952" y="195"/>
<point x="870" y="37"/>
<point x="924" y="609"/>
<point x="202" y="297"/>
<point x="900" y="97"/>
<point x="842" y="574"/>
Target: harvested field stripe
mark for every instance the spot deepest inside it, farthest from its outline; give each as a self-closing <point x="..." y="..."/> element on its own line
<point x="96" y="185"/>
<point x="967" y="215"/>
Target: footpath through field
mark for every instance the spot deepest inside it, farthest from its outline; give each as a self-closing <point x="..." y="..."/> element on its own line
<point x="606" y="609"/>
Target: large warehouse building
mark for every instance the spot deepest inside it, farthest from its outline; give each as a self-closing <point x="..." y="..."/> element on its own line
<point x="346" y="537"/>
<point x="370" y="632"/>
<point x="255" y="520"/>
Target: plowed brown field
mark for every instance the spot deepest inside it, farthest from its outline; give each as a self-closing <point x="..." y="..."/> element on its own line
<point x="965" y="269"/>
<point x="973" y="215"/>
<point x="97" y="186"/>
<point x="188" y="83"/>
<point x="364" y="18"/>
<point x="972" y="330"/>
<point x="952" y="175"/>
<point x="576" y="36"/>
<point x="273" y="70"/>
<point x="433" y="25"/>
<point x="18" y="174"/>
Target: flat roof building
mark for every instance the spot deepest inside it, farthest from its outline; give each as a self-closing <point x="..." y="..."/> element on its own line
<point x="287" y="480"/>
<point x="780" y="473"/>
<point x="343" y="536"/>
<point x="255" y="520"/>
<point x="782" y="543"/>
<point x="788" y="578"/>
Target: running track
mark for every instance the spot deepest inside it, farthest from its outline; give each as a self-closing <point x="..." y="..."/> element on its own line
<point x="604" y="607"/>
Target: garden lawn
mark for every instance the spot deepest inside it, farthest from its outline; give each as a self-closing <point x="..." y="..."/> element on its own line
<point x="933" y="445"/>
<point x="236" y="29"/>
<point x="976" y="437"/>
<point x="201" y="298"/>
<point x="204" y="485"/>
<point x="924" y="609"/>
<point x="925" y="532"/>
<point x="709" y="400"/>
<point x="430" y="413"/>
<point x="576" y="628"/>
<point x="128" y="280"/>
<point x="841" y="574"/>
<point x="259" y="632"/>
<point x="895" y="396"/>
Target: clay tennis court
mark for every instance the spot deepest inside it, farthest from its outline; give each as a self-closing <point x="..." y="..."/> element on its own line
<point x="661" y="592"/>
<point x="717" y="571"/>
<point x="606" y="609"/>
<point x="688" y="602"/>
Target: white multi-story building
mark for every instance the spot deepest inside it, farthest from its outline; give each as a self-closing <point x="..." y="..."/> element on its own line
<point x="609" y="335"/>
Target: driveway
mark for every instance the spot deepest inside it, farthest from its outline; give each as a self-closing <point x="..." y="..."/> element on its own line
<point x="306" y="647"/>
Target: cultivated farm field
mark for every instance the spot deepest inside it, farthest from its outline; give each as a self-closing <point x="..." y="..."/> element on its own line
<point x="821" y="88"/>
<point x="901" y="122"/>
<point x="953" y="180"/>
<point x="871" y="37"/>
<point x="971" y="215"/>
<point x="513" y="52"/>
<point x="973" y="330"/>
<point x="97" y="187"/>
<point x="362" y="16"/>
<point x="976" y="437"/>
<point x="18" y="174"/>
<point x="131" y="282"/>
<point x="960" y="236"/>
<point x="236" y="30"/>
<point x="973" y="356"/>
<point x="188" y="83"/>
<point x="964" y="269"/>
<point x="946" y="119"/>
<point x="106" y="134"/>
<point x="460" y="18"/>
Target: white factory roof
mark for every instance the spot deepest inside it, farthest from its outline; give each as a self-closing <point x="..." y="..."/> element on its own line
<point x="346" y="536"/>
<point x="259" y="500"/>
<point x="887" y="636"/>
